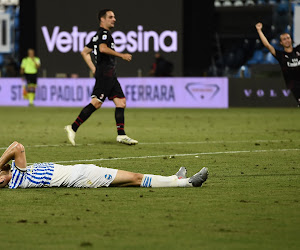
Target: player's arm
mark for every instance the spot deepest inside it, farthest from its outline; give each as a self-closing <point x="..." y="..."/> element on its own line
<point x="21" y="71"/>
<point x="103" y="48"/>
<point x="7" y="155"/>
<point x="86" y="55"/>
<point x="264" y="40"/>
<point x="22" y="68"/>
<point x="15" y="151"/>
<point x="36" y="64"/>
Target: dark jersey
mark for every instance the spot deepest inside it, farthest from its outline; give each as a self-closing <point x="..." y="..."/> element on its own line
<point x="103" y="62"/>
<point x="290" y="65"/>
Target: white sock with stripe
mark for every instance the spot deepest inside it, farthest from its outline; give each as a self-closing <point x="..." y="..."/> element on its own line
<point x="150" y="180"/>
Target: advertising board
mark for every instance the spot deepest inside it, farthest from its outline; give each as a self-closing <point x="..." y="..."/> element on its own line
<point x="177" y="92"/>
<point x="260" y="92"/>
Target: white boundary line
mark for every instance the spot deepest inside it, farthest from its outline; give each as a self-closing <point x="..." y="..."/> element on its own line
<point x="179" y="155"/>
<point x="164" y="143"/>
<point x="216" y="142"/>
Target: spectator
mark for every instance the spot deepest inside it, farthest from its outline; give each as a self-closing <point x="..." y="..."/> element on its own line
<point x="161" y="67"/>
<point x="10" y="68"/>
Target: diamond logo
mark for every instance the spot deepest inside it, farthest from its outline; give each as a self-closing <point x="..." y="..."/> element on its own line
<point x="202" y="91"/>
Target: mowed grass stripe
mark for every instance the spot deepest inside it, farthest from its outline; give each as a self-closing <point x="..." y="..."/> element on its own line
<point x="163" y="143"/>
<point x="178" y="155"/>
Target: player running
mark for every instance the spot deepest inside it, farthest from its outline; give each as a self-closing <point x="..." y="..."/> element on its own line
<point x="107" y="84"/>
<point x="289" y="60"/>
<point x="82" y="175"/>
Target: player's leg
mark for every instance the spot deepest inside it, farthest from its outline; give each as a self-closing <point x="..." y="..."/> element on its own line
<point x="118" y="97"/>
<point x="86" y="112"/>
<point x="120" y="104"/>
<point x="81" y="118"/>
<point x="177" y="180"/>
<point x="16" y="151"/>
<point x="26" y="90"/>
<point x="31" y="93"/>
<point x="125" y="179"/>
<point x="129" y="179"/>
<point x="31" y="87"/>
<point x="98" y="97"/>
<point x="120" y="122"/>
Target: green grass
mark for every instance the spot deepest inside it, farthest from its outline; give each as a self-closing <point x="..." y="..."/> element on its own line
<point x="250" y="201"/>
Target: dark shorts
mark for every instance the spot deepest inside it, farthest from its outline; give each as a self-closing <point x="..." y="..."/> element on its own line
<point x="31" y="78"/>
<point x="107" y="86"/>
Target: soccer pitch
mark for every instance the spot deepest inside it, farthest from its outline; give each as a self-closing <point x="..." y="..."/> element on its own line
<point x="251" y="199"/>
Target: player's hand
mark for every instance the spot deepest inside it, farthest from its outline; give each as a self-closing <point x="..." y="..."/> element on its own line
<point x="127" y="57"/>
<point x="259" y="26"/>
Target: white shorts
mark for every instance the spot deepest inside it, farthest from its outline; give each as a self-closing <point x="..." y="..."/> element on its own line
<point x="82" y="175"/>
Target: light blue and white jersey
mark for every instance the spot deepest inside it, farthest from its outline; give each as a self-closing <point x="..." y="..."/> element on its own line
<point x="54" y="175"/>
<point x="36" y="175"/>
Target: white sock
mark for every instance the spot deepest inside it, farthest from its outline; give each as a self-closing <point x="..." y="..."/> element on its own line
<point x="150" y="180"/>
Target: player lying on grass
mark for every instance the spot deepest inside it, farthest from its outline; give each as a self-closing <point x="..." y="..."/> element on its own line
<point x="82" y="175"/>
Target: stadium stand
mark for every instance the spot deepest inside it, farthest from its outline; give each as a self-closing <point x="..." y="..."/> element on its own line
<point x="218" y="3"/>
<point x="270" y="59"/>
<point x="238" y="3"/>
<point x="249" y="3"/>
<point x="258" y="57"/>
<point x="227" y="3"/>
<point x="282" y="4"/>
<point x="11" y="8"/>
<point x="259" y="2"/>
